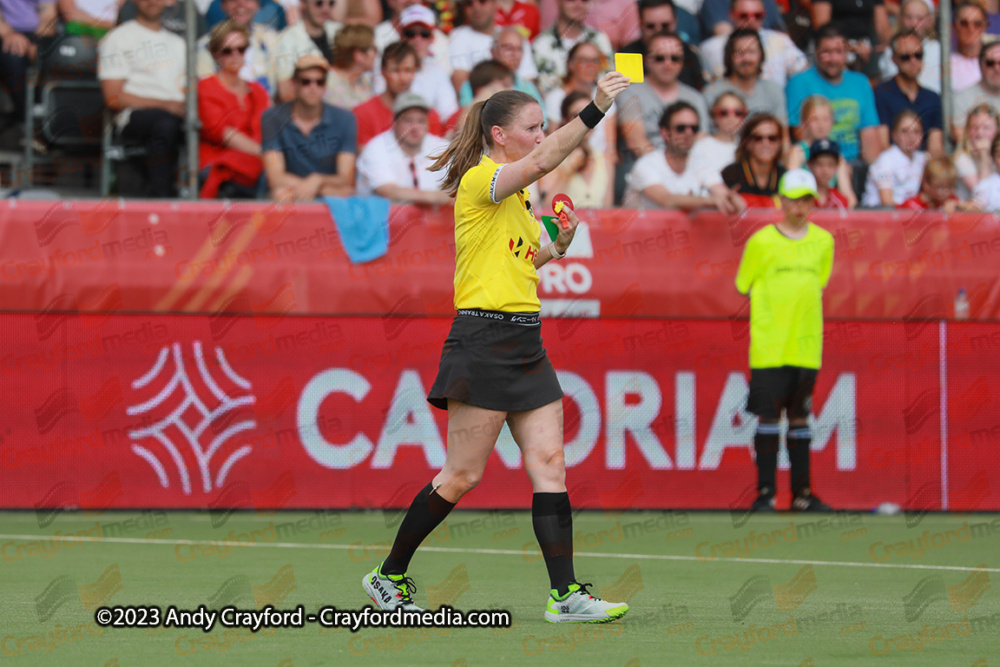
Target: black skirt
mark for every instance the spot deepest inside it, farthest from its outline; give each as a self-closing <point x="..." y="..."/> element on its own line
<point x="495" y="361"/>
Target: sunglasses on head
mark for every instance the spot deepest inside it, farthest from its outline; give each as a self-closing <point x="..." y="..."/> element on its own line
<point x="725" y="113"/>
<point x="410" y="33"/>
<point x="746" y="16"/>
<point x="228" y="50"/>
<point x="674" y="58"/>
<point x="685" y="128"/>
<point x="905" y="57"/>
<point x="772" y="138"/>
<point x="305" y="82"/>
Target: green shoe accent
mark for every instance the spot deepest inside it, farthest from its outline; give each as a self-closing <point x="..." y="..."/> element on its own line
<point x="572" y="589"/>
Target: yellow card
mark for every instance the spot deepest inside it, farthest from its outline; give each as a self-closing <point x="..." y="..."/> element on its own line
<point x="629" y="64"/>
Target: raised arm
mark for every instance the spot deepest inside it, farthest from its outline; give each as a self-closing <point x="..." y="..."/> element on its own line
<point x="554" y="148"/>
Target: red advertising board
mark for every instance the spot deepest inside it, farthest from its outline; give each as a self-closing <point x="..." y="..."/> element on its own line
<point x="271" y="411"/>
<point x="257" y="258"/>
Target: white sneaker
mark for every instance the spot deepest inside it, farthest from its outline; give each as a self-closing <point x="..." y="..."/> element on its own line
<point x="579" y="606"/>
<point x="389" y="591"/>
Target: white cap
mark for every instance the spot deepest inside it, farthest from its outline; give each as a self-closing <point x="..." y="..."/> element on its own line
<point x="797" y="183"/>
<point x="417" y="14"/>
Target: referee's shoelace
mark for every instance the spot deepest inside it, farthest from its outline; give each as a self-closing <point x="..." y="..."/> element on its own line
<point x="406" y="588"/>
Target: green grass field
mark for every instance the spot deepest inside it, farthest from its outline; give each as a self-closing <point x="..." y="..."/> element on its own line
<point x="788" y="589"/>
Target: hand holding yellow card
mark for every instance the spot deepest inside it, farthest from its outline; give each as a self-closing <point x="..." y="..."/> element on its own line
<point x="629" y="64"/>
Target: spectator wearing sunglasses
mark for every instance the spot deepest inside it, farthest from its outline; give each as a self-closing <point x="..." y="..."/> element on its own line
<point x="394" y="30"/>
<point x="904" y="92"/>
<point x="416" y="27"/>
<point x="757" y="170"/>
<point x="714" y="152"/>
<point x="918" y="16"/>
<point x="669" y="178"/>
<point x="259" y="60"/>
<point x="230" y="111"/>
<point x="552" y="46"/>
<point x="656" y="16"/>
<point x="986" y="91"/>
<point x="782" y="58"/>
<point x="312" y="35"/>
<point x="969" y="27"/>
<point x="744" y="58"/>
<point x="641" y="105"/>
<point x="309" y="146"/>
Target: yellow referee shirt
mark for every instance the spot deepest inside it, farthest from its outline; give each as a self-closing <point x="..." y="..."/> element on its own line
<point x="495" y="245"/>
<point x="785" y="279"/>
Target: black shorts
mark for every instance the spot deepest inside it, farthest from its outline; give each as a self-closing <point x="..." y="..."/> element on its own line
<point x="495" y="361"/>
<point x="786" y="388"/>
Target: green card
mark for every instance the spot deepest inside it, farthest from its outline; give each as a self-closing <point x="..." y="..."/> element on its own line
<point x="551" y="223"/>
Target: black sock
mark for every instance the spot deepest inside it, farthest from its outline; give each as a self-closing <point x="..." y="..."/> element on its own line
<point x="765" y="443"/>
<point x="799" y="439"/>
<point x="426" y="512"/>
<point x="552" y="519"/>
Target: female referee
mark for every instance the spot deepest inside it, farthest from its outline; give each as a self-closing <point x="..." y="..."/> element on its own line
<point x="493" y="367"/>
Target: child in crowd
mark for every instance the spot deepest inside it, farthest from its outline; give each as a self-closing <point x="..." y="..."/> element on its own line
<point x="824" y="159"/>
<point x="895" y="176"/>
<point x="937" y="189"/>
<point x="986" y="196"/>
<point x="817" y="123"/>
<point x="973" y="159"/>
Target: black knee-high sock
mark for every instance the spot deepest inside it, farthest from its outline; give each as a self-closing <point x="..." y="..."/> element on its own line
<point x="426" y="512"/>
<point x="765" y="444"/>
<point x="799" y="439"/>
<point x="552" y="520"/>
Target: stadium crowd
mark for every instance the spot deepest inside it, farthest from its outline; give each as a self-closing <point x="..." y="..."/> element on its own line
<point x="299" y="99"/>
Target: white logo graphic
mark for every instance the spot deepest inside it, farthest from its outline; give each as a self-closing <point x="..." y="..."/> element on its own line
<point x="182" y="403"/>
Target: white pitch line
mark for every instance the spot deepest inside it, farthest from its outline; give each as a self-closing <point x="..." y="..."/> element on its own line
<point x="489" y="552"/>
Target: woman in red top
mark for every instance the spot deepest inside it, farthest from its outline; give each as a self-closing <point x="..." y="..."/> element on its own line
<point x="230" y="109"/>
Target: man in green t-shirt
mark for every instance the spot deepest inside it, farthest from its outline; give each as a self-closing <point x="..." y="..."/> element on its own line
<point x="784" y="269"/>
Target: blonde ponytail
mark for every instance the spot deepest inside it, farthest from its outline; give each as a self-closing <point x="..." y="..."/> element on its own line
<point x="466" y="149"/>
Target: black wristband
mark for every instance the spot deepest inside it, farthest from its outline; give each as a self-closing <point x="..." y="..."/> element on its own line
<point x="591" y="115"/>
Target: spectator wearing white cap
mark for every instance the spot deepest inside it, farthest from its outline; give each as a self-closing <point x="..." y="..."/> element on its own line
<point x="395" y="164"/>
<point x="391" y="30"/>
<point x="312" y="35"/>
<point x="432" y="82"/>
